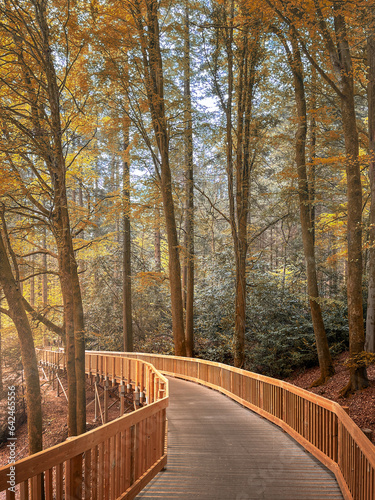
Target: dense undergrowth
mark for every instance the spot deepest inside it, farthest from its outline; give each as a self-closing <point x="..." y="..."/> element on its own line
<point x="279" y="334"/>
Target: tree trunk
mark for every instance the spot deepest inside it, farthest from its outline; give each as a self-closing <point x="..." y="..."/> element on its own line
<point x="247" y="59"/>
<point x="32" y="282"/>
<point x="358" y="375"/>
<point x="189" y="210"/>
<point x="79" y="347"/>
<point x="64" y="253"/>
<point x="370" y="320"/>
<point x="73" y="309"/>
<point x="324" y="356"/>
<point x="1" y="360"/>
<point x="157" y="241"/>
<point x="45" y="275"/>
<point x="127" y="291"/>
<point x="240" y="295"/>
<point x="152" y="62"/>
<point x="29" y="360"/>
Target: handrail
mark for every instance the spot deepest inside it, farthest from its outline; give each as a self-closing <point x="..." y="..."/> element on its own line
<point x="114" y="461"/>
<point x="318" y="424"/>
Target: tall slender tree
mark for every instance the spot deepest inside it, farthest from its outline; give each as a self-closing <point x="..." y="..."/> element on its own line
<point x="243" y="53"/>
<point x="305" y="202"/>
<point x="189" y="189"/>
<point x="370" y="319"/>
<point x="331" y="25"/>
<point x="145" y="15"/>
<point x="127" y="287"/>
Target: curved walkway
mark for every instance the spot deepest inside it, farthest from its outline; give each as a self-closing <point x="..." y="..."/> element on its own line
<point x="218" y="449"/>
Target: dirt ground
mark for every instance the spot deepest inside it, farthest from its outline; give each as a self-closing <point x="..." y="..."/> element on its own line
<point x="361" y="404"/>
<point x="55" y="429"/>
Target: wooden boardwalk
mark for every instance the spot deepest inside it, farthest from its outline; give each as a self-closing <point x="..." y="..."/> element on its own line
<point x="218" y="449"/>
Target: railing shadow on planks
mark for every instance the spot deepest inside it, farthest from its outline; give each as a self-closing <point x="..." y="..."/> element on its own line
<point x="321" y="426"/>
<point x="114" y="461"/>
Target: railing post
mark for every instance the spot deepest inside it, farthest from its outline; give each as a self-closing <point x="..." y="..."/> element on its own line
<point x="132" y="453"/>
<point x="97" y="407"/>
<point x="36" y="487"/>
<point x="73" y="478"/>
<point x="106" y="389"/>
<point x="122" y="398"/>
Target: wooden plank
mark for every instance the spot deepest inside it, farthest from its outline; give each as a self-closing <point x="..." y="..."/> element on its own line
<point x="138" y="486"/>
<point x="48" y="483"/>
<point x="132" y="455"/>
<point x="125" y="448"/>
<point x="36" y="487"/>
<point x="100" y="471"/>
<point x="59" y="481"/>
<point x="220" y="451"/>
<point x="118" y="468"/>
<point x="24" y="490"/>
<point x="112" y="468"/>
<point x="94" y="473"/>
<point x="87" y="476"/>
<point x="10" y="495"/>
<point x="107" y="469"/>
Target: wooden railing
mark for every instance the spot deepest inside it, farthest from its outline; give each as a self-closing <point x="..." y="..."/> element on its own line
<point x="320" y="425"/>
<point x="119" y="458"/>
<point x="113" y="461"/>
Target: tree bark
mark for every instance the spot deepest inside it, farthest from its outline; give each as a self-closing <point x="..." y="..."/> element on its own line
<point x="239" y="181"/>
<point x="370" y="320"/>
<point x="38" y="93"/>
<point x="189" y="180"/>
<point x="153" y="67"/>
<point x="127" y="291"/>
<point x="157" y="241"/>
<point x="29" y="360"/>
<point x="240" y="295"/>
<point x="1" y="359"/>
<point x="45" y="268"/>
<point x="324" y="355"/>
<point x="73" y="310"/>
<point x="358" y="374"/>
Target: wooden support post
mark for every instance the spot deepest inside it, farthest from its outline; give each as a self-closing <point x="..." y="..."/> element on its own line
<point x="122" y="398"/>
<point x="97" y="403"/>
<point x="136" y="397"/>
<point x="106" y="394"/>
<point x="58" y="385"/>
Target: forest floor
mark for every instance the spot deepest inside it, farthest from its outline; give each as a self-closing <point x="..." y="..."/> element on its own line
<point x="361" y="404"/>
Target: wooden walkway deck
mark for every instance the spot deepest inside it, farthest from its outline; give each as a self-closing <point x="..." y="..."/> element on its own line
<point x="218" y="449"/>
